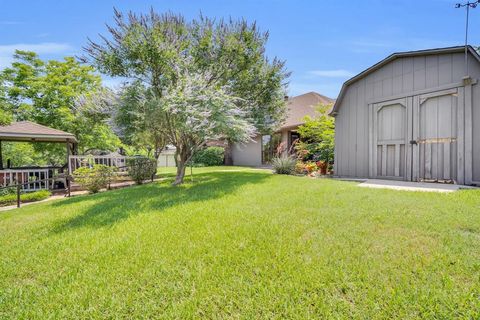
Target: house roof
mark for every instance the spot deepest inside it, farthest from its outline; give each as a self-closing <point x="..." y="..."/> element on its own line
<point x="393" y="56"/>
<point x="303" y="105"/>
<point x="30" y="131"/>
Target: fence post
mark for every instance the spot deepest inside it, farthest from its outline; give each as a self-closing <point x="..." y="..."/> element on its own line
<point x="67" y="180"/>
<point x="18" y="195"/>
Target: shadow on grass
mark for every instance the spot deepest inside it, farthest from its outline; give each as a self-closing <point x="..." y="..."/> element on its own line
<point x="114" y="206"/>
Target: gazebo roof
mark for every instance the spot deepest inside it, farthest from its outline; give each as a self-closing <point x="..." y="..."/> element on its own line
<point x="33" y="132"/>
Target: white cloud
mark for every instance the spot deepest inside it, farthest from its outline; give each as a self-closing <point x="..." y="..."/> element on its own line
<point x="40" y="48"/>
<point x="340" y="73"/>
<point x="7" y="50"/>
<point x="9" y="23"/>
<point x="43" y="35"/>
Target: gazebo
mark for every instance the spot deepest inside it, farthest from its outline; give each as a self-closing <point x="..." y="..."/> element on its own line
<point x="26" y="131"/>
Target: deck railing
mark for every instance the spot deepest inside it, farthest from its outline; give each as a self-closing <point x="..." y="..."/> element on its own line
<point x="38" y="178"/>
<point x="75" y="162"/>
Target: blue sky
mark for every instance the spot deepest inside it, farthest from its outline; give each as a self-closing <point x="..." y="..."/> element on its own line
<point x="324" y="42"/>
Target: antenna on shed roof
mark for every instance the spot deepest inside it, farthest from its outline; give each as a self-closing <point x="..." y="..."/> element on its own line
<point x="467" y="5"/>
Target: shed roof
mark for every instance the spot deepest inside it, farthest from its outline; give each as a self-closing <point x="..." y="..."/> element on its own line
<point x="30" y="132"/>
<point x="393" y="56"/>
<point x="303" y="105"/>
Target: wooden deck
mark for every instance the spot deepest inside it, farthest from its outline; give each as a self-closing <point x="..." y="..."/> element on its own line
<point x="14" y="176"/>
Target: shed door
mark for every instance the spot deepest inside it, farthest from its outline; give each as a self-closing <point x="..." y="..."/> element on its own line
<point x="435" y="135"/>
<point x="390" y="137"/>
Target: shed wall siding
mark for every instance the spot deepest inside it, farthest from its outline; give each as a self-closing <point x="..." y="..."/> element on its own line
<point x="475" y="71"/>
<point x="399" y="77"/>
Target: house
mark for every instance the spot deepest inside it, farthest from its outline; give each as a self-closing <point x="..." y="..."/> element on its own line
<point x="263" y="147"/>
<point x="413" y="116"/>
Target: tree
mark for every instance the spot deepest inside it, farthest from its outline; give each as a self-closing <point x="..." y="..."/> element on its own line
<point x="21" y="154"/>
<point x="168" y="55"/>
<point x="93" y="120"/>
<point x="317" y="136"/>
<point x="58" y="94"/>
<point x="192" y="113"/>
<point x="5" y="117"/>
<point x="134" y="124"/>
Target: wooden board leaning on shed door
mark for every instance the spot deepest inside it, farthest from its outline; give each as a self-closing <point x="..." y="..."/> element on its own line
<point x="435" y="131"/>
<point x="390" y="134"/>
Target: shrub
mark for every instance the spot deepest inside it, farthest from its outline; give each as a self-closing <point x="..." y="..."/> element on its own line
<point x="300" y="167"/>
<point x="11" y="198"/>
<point x="311" y="167"/>
<point x="141" y="169"/>
<point x="211" y="156"/>
<point x="283" y="165"/>
<point x="7" y="191"/>
<point x="95" y="178"/>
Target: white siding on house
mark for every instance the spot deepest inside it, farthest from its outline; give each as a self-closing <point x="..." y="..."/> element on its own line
<point x="248" y="154"/>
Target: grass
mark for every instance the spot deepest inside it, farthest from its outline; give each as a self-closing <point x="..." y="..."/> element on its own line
<point x="241" y="243"/>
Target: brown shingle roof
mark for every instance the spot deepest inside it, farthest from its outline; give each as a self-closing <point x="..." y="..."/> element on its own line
<point x="303" y="105"/>
<point x="30" y="131"/>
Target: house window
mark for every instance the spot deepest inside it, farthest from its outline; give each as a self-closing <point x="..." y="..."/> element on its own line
<point x="270" y="144"/>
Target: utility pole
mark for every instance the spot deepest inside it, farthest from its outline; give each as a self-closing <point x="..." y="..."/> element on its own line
<point x="467" y="5"/>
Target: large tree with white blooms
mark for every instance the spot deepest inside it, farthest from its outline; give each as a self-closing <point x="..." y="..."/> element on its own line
<point x="199" y="80"/>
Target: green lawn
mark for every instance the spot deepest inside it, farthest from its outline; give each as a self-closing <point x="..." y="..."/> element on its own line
<point x="243" y="244"/>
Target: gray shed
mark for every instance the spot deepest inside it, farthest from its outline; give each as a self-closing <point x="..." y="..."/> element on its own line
<point x="413" y="116"/>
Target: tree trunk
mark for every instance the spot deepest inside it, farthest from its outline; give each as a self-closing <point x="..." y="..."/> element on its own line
<point x="183" y="156"/>
<point x="175" y="157"/>
<point x="180" y="173"/>
<point x="228" y="153"/>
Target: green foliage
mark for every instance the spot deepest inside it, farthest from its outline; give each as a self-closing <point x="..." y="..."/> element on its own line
<point x="59" y="94"/>
<point x="194" y="81"/>
<point x="7" y="191"/>
<point x="95" y="178"/>
<point x="135" y="121"/>
<point x="10" y="198"/>
<point x="317" y="137"/>
<point x="5" y="117"/>
<point x="211" y="156"/>
<point x="244" y="244"/>
<point x="22" y="154"/>
<point x="284" y="164"/>
<point x="141" y="168"/>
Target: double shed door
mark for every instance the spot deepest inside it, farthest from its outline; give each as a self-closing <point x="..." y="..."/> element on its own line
<point x="390" y="136"/>
<point x="415" y="138"/>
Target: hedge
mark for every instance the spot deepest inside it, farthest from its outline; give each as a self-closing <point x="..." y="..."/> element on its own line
<point x="211" y="156"/>
<point x="11" y="198"/>
<point x="141" y="168"/>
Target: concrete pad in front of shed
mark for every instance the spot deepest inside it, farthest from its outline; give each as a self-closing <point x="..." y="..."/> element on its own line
<point x="410" y="186"/>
